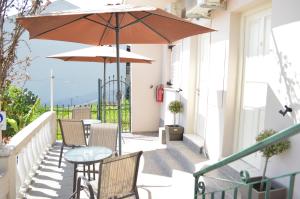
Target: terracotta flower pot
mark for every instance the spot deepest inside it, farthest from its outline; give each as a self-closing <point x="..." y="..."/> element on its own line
<point x="277" y="191"/>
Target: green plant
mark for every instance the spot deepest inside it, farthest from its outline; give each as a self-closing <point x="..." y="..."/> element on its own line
<point x="175" y="107"/>
<point x="21" y="107"/>
<point x="271" y="150"/>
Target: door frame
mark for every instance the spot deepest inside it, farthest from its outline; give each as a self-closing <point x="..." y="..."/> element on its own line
<point x="241" y="70"/>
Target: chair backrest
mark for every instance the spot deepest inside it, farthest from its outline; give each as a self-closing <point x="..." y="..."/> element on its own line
<point x="118" y="176"/>
<point x="104" y="134"/>
<point x="72" y="132"/>
<point x="81" y="113"/>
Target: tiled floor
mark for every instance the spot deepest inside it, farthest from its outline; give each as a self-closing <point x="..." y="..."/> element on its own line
<point x="154" y="180"/>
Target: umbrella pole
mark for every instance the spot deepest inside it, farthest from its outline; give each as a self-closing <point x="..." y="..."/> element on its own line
<point x="118" y="82"/>
<point x="104" y="91"/>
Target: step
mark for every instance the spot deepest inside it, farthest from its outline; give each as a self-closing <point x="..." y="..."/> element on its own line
<point x="194" y="141"/>
<point x="185" y="154"/>
<point x="161" y="162"/>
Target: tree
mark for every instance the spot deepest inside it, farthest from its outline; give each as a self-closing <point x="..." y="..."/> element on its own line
<point x="12" y="68"/>
<point x="270" y="150"/>
<point x="175" y="107"/>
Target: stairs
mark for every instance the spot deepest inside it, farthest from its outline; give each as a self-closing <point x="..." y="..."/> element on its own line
<point x="182" y="158"/>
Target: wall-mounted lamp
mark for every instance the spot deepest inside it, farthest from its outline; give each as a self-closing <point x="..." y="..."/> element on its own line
<point x="287" y="109"/>
<point x="170" y="46"/>
<point x="178" y="90"/>
<point x="169" y="83"/>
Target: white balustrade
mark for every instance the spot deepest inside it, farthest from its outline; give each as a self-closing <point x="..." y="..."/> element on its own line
<point x="27" y="150"/>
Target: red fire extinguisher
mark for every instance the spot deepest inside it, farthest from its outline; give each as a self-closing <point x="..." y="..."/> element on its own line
<point x="160" y="93"/>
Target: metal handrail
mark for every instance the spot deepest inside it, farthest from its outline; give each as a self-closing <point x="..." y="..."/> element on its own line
<point x="283" y="134"/>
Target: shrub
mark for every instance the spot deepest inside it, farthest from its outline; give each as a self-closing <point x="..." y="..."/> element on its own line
<point x="21" y="106"/>
<point x="175" y="107"/>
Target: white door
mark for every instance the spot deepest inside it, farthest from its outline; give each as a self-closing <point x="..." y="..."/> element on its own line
<point x="256" y="47"/>
<point x="202" y="84"/>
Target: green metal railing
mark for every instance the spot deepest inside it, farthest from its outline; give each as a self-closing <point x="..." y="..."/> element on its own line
<point x="199" y="189"/>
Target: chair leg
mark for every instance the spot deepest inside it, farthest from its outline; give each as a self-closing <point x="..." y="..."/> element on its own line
<point x="78" y="188"/>
<point x="89" y="172"/>
<point x="60" y="156"/>
<point x="136" y="193"/>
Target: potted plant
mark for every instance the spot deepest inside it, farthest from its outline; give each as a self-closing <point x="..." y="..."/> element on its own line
<point x="174" y="132"/>
<point x="258" y="190"/>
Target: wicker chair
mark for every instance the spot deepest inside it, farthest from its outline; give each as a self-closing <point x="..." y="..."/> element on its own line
<point x="104" y="134"/>
<point x="72" y="132"/>
<point x="81" y="113"/>
<point x="117" y="178"/>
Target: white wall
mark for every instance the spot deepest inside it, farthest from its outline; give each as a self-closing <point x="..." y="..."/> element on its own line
<point x="183" y="61"/>
<point x="145" y="110"/>
<point x="285" y="85"/>
<point x="283" y="80"/>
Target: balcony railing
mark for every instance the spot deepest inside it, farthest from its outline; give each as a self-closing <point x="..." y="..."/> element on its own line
<point x="200" y="190"/>
<point x="26" y="150"/>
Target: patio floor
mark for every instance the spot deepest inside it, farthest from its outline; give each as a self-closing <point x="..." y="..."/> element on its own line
<point x="155" y="181"/>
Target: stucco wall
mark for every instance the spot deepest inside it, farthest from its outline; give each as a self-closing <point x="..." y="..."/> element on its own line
<point x="185" y="77"/>
<point x="282" y="79"/>
<point x="285" y="85"/>
<point x="145" y="110"/>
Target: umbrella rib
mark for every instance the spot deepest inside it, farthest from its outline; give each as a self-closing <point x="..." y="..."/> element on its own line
<point x="136" y="21"/>
<point x="99" y="23"/>
<point x="111" y="25"/>
<point x="82" y="17"/>
<point x="102" y="36"/>
<point x="68" y="58"/>
<point x="151" y="28"/>
<point x="181" y="20"/>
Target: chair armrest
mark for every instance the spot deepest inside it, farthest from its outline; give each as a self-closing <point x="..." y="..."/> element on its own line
<point x="87" y="185"/>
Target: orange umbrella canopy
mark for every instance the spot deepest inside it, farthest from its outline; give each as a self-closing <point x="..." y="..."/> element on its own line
<point x="101" y="54"/>
<point x="138" y="25"/>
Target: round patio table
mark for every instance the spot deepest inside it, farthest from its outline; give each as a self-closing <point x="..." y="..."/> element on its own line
<point x="89" y="122"/>
<point x="86" y="156"/>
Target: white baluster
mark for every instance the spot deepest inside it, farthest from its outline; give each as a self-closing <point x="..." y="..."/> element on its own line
<point x="30" y="153"/>
<point x="20" y="169"/>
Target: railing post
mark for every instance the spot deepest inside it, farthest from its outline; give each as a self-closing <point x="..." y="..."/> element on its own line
<point x="8" y="173"/>
<point x="291" y="186"/>
<point x="53" y="127"/>
<point x="12" y="163"/>
<point x="196" y="187"/>
<point x="99" y="99"/>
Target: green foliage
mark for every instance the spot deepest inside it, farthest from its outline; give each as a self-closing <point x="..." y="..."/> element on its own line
<point x="21" y="108"/>
<point x="175" y="107"/>
<point x="270" y="151"/>
<point x="273" y="149"/>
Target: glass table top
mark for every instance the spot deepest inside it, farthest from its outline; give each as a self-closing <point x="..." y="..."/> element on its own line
<point x="91" y="121"/>
<point x="87" y="155"/>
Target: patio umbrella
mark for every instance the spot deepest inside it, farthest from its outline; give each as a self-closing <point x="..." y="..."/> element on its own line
<point x="114" y="24"/>
<point x="103" y="54"/>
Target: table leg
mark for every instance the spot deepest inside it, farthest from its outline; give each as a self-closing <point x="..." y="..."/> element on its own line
<point x="74" y="177"/>
<point x="83" y="170"/>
